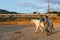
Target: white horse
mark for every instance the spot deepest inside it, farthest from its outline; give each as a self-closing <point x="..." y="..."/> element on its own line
<point x="38" y="24"/>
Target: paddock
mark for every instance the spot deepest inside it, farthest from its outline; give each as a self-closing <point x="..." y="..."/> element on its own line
<point x="27" y="32"/>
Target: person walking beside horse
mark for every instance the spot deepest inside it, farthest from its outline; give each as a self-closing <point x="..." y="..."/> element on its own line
<point x="48" y="25"/>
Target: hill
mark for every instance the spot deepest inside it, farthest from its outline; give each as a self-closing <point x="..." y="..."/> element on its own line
<point x="7" y="12"/>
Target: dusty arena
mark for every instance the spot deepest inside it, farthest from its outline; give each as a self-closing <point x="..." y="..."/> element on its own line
<point x="26" y="32"/>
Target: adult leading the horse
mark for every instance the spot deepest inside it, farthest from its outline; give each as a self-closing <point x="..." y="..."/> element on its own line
<point x="49" y="25"/>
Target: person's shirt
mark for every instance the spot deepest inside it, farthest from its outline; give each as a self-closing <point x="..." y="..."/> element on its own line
<point x="42" y="19"/>
<point x="49" y="22"/>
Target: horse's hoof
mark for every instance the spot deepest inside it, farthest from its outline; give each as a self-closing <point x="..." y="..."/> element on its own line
<point x="36" y="32"/>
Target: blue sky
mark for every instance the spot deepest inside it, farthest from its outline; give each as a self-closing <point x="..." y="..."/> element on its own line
<point x="28" y="6"/>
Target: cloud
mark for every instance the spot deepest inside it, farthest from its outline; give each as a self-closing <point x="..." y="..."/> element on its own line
<point x="55" y="1"/>
<point x="25" y="4"/>
<point x="51" y="1"/>
<point x="41" y="4"/>
<point x="37" y="1"/>
<point x="54" y="7"/>
<point x="32" y="5"/>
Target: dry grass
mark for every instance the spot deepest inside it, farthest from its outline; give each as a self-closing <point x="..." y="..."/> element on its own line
<point x="16" y="22"/>
<point x="56" y="21"/>
<point x="23" y="22"/>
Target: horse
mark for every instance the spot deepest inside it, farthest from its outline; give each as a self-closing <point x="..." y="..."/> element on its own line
<point x="41" y="26"/>
<point x="38" y="24"/>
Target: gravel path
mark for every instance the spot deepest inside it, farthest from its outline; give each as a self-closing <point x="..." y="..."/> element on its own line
<point x="26" y="32"/>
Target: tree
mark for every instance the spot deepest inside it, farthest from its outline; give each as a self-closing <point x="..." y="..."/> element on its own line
<point x="34" y="12"/>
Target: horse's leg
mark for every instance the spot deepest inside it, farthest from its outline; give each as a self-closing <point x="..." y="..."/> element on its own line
<point x="36" y="28"/>
<point x="41" y="29"/>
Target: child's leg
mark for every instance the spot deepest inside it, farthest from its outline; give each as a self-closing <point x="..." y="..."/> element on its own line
<point x="53" y="27"/>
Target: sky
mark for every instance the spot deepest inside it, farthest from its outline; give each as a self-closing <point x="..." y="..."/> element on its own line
<point x="29" y="6"/>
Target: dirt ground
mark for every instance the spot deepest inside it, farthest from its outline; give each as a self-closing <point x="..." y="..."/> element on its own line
<point x="26" y="32"/>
